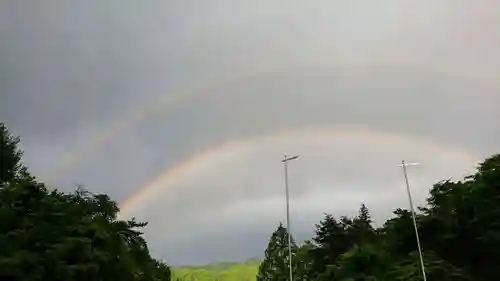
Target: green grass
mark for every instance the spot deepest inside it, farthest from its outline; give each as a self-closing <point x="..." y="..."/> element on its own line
<point x="223" y="271"/>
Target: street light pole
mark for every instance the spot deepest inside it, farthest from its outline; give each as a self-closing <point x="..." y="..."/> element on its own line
<point x="285" y="161"/>
<point x="404" y="165"/>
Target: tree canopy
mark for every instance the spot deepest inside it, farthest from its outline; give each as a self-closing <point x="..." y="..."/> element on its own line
<point x="459" y="229"/>
<point x="46" y="234"/>
<point x="275" y="265"/>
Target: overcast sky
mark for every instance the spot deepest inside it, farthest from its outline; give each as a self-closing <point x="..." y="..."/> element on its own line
<point x="225" y="88"/>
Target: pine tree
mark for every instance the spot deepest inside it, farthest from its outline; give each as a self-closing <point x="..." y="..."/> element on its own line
<point x="362" y="230"/>
<point x="11" y="168"/>
<point x="362" y="263"/>
<point x="302" y="261"/>
<point x="275" y="266"/>
<point x="332" y="236"/>
<point x="332" y="240"/>
<point x="364" y="215"/>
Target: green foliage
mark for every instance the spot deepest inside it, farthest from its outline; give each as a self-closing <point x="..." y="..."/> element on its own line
<point x="275" y="266"/>
<point x="49" y="235"/>
<point x="301" y="263"/>
<point x="459" y="231"/>
<point x="436" y="268"/>
<point x="11" y="168"/>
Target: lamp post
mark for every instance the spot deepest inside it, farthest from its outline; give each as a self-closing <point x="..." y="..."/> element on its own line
<point x="404" y="165"/>
<point x="285" y="161"/>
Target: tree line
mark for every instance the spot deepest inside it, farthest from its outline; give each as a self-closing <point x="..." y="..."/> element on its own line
<point x="46" y="234"/>
<point x="49" y="235"/>
<point x="459" y="230"/>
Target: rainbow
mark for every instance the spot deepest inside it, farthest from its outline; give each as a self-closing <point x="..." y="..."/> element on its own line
<point x="203" y="89"/>
<point x="170" y="176"/>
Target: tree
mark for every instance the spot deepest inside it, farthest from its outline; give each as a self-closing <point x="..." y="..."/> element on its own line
<point x="275" y="266"/>
<point x="466" y="214"/>
<point x="366" y="262"/>
<point x="361" y="229"/>
<point x="302" y="262"/>
<point x="11" y="168"/>
<point x="332" y="240"/>
<point x="49" y="235"/>
<point x="409" y="269"/>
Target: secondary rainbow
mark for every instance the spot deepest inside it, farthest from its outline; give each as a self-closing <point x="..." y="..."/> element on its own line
<point x="204" y="88"/>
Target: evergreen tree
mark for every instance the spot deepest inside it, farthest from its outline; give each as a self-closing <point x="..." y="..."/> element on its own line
<point x="302" y="262"/>
<point x="466" y="215"/>
<point x="362" y="230"/>
<point x="409" y="269"/>
<point x="332" y="240"/>
<point x="49" y="235"/>
<point x="366" y="262"/>
<point x="398" y="233"/>
<point x="275" y="266"/>
<point x="364" y="217"/>
<point x="11" y="168"/>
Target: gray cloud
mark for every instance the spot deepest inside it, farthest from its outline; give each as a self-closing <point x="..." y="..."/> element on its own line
<point x="70" y="71"/>
<point x="336" y="173"/>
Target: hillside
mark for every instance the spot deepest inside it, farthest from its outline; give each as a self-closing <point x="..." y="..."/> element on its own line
<point x="224" y="271"/>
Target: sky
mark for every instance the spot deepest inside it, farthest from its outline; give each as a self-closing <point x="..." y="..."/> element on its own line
<point x="182" y="110"/>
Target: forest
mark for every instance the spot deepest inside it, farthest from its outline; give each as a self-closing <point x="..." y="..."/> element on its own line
<point x="46" y="234"/>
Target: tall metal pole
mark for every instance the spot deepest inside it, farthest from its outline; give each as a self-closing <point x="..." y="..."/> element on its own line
<point x="403" y="164"/>
<point x="289" y="230"/>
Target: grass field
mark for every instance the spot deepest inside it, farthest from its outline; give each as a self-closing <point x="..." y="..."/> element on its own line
<point x="224" y="271"/>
